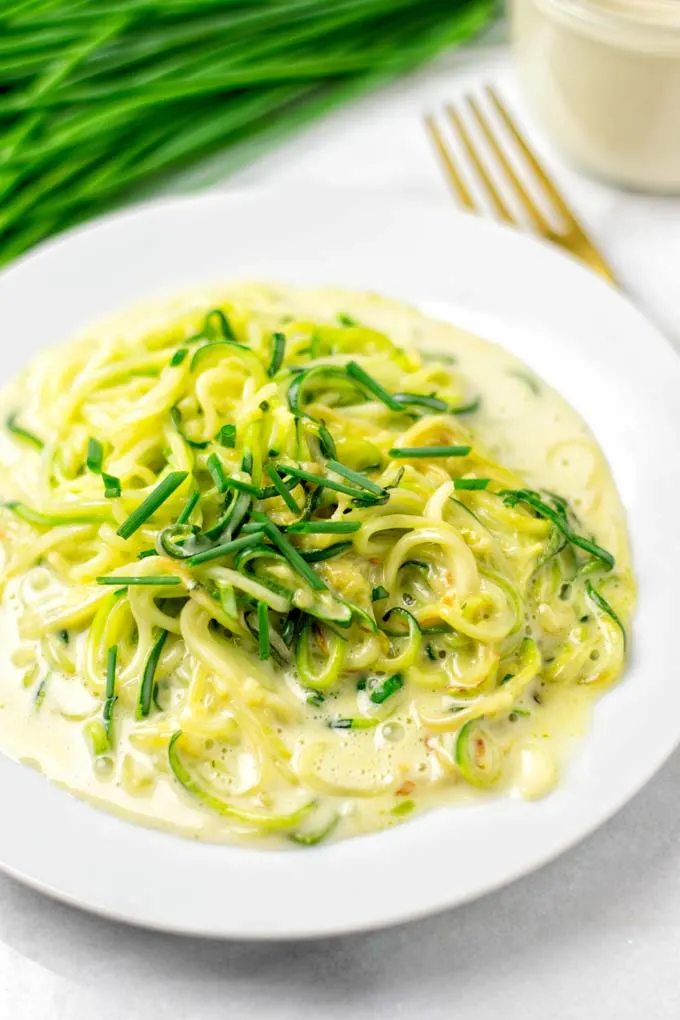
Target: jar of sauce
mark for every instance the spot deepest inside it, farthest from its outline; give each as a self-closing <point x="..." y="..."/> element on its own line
<point x="604" y="78"/>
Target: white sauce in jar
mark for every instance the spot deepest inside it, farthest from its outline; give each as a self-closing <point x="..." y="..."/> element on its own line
<point x="604" y="77"/>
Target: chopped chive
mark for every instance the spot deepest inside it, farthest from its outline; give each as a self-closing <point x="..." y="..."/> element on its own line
<point x="558" y="517"/>
<point x="189" y="506"/>
<point x="95" y="455"/>
<point x="326" y="442"/>
<point x="111" y="696"/>
<point x="382" y="691"/>
<point x="146" y="688"/>
<point x="420" y="400"/>
<point x="353" y="724"/>
<point x="239" y="486"/>
<point x="379" y="593"/>
<point x="111" y="486"/>
<point x="145" y="553"/>
<point x="346" y="320"/>
<point x="152" y="502"/>
<point x="278" y="351"/>
<point x="247" y="463"/>
<point x="225" y="549"/>
<point x="326" y="483"/>
<point x="21" y="433"/>
<point x="263" y="629"/>
<point x="214" y="465"/>
<point x="264" y="406"/>
<point x="372" y="385"/>
<point x="469" y="408"/>
<point x="175" y="415"/>
<point x="227" y="436"/>
<point x="63" y="636"/>
<point x="148" y="579"/>
<point x="282" y="489"/>
<point x="316" y="555"/>
<point x="430" y="451"/>
<point x="323" y="528"/>
<point x="291" y="554"/>
<point x="178" y="357"/>
<point x="471" y="483"/>
<point x="315" y="699"/>
<point x="355" y="476"/>
<point x="601" y="602"/>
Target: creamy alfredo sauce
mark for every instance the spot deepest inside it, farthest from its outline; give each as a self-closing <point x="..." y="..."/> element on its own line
<point x="526" y="426"/>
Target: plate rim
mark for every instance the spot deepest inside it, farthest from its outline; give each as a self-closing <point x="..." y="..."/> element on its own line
<point x="398" y="915"/>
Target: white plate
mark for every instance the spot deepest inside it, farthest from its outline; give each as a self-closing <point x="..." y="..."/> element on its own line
<point x="580" y="335"/>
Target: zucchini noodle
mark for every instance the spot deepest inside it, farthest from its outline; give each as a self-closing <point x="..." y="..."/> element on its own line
<point x="263" y="552"/>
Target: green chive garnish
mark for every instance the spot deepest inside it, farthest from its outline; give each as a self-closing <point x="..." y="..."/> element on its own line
<point x="239" y="486"/>
<point x="111" y="696"/>
<point x="21" y="433"/>
<point x="263" y="629"/>
<point x="558" y="517"/>
<point x="384" y="690"/>
<point x="282" y="489"/>
<point x="189" y="507"/>
<point x="356" y="477"/>
<point x="291" y="554"/>
<point x="346" y="320"/>
<point x="152" y="502"/>
<point x="278" y="351"/>
<point x="471" y="483"/>
<point x="430" y="451"/>
<point x="145" y="553"/>
<point x="95" y="455"/>
<point x="473" y="405"/>
<point x="222" y="326"/>
<point x="379" y="593"/>
<point x="216" y="470"/>
<point x="373" y="386"/>
<point x="178" y="357"/>
<point x="601" y="602"/>
<point x="148" y="579"/>
<point x="146" y="689"/>
<point x="225" y="549"/>
<point x="421" y="400"/>
<point x="326" y="441"/>
<point x="323" y="528"/>
<point x="336" y="549"/>
<point x="326" y="483"/>
<point x="227" y="436"/>
<point x="111" y="486"/>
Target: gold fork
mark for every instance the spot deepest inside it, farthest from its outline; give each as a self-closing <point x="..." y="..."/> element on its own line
<point x="564" y="229"/>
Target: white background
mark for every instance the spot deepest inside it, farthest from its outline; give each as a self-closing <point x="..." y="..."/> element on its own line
<point x="594" y="935"/>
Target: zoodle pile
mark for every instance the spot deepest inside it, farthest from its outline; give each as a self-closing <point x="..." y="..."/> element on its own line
<point x="291" y="581"/>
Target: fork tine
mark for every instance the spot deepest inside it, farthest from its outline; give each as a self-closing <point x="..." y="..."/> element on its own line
<point x="458" y="184"/>
<point x="531" y="158"/>
<point x="532" y="210"/>
<point x="496" y="198"/>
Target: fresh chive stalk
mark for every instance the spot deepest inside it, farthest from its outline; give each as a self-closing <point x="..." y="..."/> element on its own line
<point x="317" y="555"/>
<point x="471" y="484"/>
<point x="153" y="501"/>
<point x="373" y="386"/>
<point x="148" y="678"/>
<point x="225" y="549"/>
<point x="323" y="528"/>
<point x="111" y="696"/>
<point x="356" y="477"/>
<point x="289" y="551"/>
<point x="178" y="357"/>
<point x="112" y="487"/>
<point x="227" y="436"/>
<point x="429" y="451"/>
<point x="282" y="490"/>
<point x="263" y="629"/>
<point x="189" y="507"/>
<point x="214" y="465"/>
<point x="278" y="353"/>
<point x="95" y="455"/>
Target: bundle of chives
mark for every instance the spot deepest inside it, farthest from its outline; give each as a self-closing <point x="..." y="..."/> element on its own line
<point x="101" y="98"/>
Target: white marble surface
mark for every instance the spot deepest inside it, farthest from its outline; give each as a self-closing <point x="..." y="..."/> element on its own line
<point x="594" y="935"/>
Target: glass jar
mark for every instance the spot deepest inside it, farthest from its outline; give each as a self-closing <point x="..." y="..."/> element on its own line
<point x="604" y="78"/>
